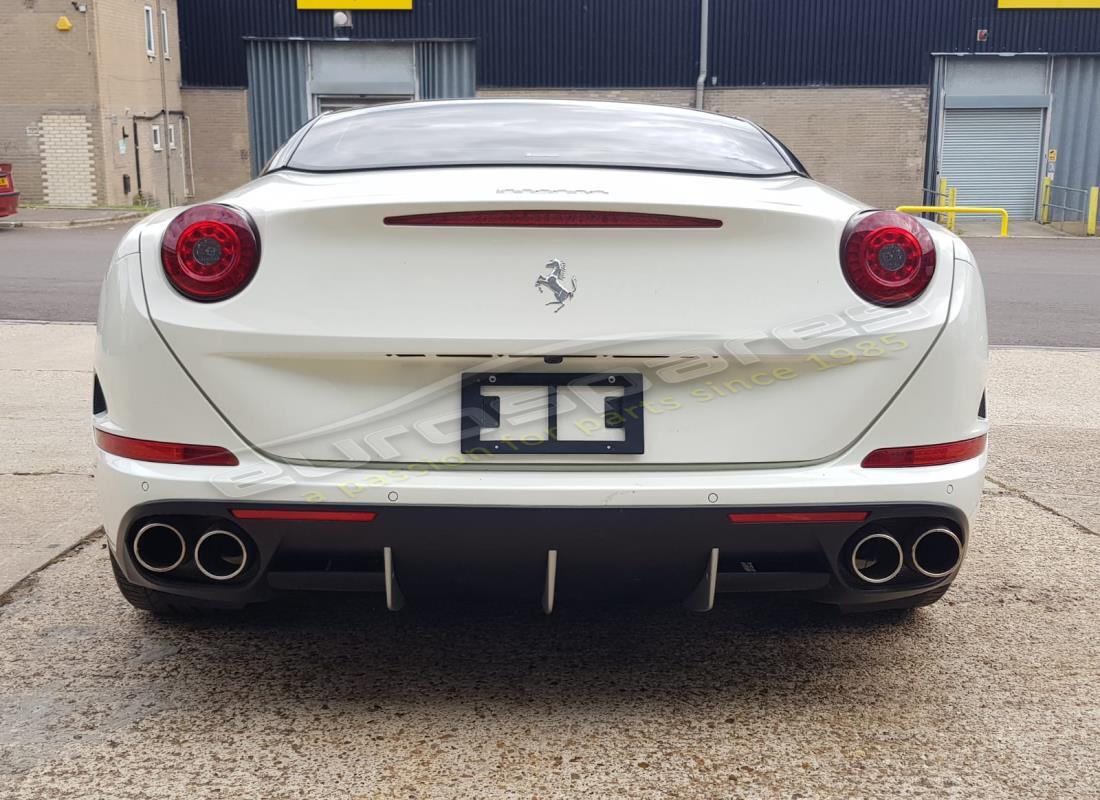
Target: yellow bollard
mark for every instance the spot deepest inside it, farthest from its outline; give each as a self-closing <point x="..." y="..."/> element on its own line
<point x="1094" y="203"/>
<point x="941" y="199"/>
<point x="952" y="200"/>
<point x="1044" y="211"/>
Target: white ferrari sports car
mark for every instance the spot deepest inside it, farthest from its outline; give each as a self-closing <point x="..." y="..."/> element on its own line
<point x="548" y="350"/>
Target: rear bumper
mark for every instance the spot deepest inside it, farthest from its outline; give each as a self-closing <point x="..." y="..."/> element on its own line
<point x="9" y="203"/>
<point x="637" y="536"/>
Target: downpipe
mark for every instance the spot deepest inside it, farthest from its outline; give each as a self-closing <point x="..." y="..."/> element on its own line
<point x="704" y="37"/>
<point x="221" y="555"/>
<point x="936" y="553"/>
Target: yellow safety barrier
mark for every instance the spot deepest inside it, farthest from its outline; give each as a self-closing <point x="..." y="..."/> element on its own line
<point x="1094" y="205"/>
<point x="952" y="200"/>
<point x="942" y="200"/>
<point x="1044" y="201"/>
<point x="958" y="210"/>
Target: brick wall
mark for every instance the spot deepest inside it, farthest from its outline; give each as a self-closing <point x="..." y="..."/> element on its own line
<point x="219" y="139"/>
<point x="68" y="160"/>
<point x="868" y="142"/>
<point x="45" y="72"/>
<point x="100" y="73"/>
<point x="129" y="91"/>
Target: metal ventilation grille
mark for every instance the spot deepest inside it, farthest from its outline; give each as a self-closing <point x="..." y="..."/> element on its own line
<point x="992" y="156"/>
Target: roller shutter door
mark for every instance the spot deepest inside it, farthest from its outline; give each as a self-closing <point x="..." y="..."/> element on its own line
<point x="992" y="157"/>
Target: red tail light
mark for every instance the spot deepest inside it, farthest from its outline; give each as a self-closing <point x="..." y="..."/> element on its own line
<point x="210" y="252"/>
<point x="928" y="455"/>
<point x="554" y="219"/>
<point x="888" y="257"/>
<point x="164" y="452"/>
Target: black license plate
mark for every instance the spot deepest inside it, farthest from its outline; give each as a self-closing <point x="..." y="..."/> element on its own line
<point x="481" y="412"/>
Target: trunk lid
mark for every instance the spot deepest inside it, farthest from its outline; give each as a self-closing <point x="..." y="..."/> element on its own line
<point x="350" y="344"/>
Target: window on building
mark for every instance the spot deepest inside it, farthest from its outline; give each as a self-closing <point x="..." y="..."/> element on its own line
<point x="156" y="138"/>
<point x="150" y="42"/>
<point x="164" y="33"/>
<point x="171" y="137"/>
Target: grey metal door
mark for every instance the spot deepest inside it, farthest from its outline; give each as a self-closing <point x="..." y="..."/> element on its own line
<point x="992" y="157"/>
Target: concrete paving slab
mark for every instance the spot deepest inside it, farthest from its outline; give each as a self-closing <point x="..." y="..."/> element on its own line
<point x="45" y="418"/>
<point x="966" y="225"/>
<point x="47" y="498"/>
<point x="42" y="516"/>
<point x="56" y="217"/>
<point x="1044" y="408"/>
<point x="67" y="347"/>
<point x="989" y="694"/>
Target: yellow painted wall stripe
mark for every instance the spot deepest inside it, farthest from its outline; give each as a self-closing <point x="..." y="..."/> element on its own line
<point x="355" y="5"/>
<point x="1048" y="3"/>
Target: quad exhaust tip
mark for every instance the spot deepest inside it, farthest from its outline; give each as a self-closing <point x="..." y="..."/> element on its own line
<point x="877" y="558"/>
<point x="159" y="547"/>
<point x="936" y="553"/>
<point x="221" y="555"/>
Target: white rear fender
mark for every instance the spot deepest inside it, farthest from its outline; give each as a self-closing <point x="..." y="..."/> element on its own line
<point x="148" y="394"/>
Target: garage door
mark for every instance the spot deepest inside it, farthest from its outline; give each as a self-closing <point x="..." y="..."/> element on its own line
<point x="992" y="157"/>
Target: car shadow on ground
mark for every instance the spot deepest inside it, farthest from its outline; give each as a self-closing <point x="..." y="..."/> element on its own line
<point x="350" y="649"/>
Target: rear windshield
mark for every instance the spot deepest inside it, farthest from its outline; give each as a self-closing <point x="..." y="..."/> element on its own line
<point x="499" y="132"/>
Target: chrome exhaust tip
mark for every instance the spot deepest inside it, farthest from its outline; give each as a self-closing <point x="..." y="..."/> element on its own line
<point x="936" y="553"/>
<point x="158" y="547"/>
<point x="221" y="555"/>
<point x="877" y="558"/>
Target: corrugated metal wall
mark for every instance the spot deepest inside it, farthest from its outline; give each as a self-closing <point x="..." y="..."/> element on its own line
<point x="279" y="75"/>
<point x="519" y="42"/>
<point x="639" y="43"/>
<point x="876" y="42"/>
<point x="446" y="70"/>
<point x="1075" y="124"/>
<point x="278" y="103"/>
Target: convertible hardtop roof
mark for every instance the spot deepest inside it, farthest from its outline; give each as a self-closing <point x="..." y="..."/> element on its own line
<point x="525" y="132"/>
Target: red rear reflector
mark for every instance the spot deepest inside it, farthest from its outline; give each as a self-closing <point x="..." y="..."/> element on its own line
<point x="801" y="516"/>
<point x="928" y="455"/>
<point x="164" y="452"/>
<point x="554" y="219"/>
<point x="293" y="514"/>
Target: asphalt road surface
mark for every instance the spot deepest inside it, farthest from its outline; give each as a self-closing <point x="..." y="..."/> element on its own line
<point x="1040" y="292"/>
<point x="54" y="274"/>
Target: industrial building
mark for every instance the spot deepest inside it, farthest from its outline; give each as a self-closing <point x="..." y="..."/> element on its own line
<point x="881" y="98"/>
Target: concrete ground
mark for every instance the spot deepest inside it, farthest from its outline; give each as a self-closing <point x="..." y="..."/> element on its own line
<point x="47" y="497"/>
<point x="57" y="217"/>
<point x="991" y="693"/>
<point x="967" y="226"/>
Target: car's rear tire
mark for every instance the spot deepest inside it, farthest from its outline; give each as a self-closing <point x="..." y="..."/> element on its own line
<point x="161" y="604"/>
<point x="898" y="608"/>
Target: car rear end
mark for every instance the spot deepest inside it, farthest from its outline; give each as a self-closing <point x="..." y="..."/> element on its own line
<point x="9" y="197"/>
<point x="553" y="382"/>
